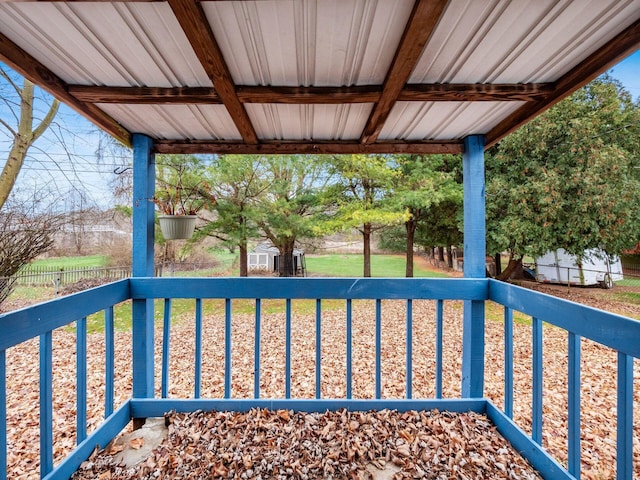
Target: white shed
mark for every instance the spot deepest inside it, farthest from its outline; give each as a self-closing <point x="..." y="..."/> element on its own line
<point x="266" y="257"/>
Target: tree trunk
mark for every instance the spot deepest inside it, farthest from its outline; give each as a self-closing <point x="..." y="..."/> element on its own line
<point x="285" y="263"/>
<point x="441" y="255"/>
<point x="512" y="267"/>
<point x="450" y="257"/>
<point x="497" y="259"/>
<point x="411" y="232"/>
<point x="244" y="270"/>
<point x="23" y="138"/>
<point x="366" y="240"/>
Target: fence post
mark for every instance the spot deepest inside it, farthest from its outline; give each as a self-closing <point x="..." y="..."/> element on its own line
<point x="474" y="265"/>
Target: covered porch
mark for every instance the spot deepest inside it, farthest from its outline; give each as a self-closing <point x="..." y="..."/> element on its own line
<point x="318" y="77"/>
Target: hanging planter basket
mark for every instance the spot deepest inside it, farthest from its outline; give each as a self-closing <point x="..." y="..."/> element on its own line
<point x="177" y="227"/>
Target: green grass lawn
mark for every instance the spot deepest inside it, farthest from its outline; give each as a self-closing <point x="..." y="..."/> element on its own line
<point x="353" y="265"/>
<point x="70" y="262"/>
<point x="629" y="297"/>
<point x="629" y="282"/>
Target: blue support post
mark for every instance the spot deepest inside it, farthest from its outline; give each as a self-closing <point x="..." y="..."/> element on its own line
<point x="142" y="248"/>
<point x="474" y="265"/>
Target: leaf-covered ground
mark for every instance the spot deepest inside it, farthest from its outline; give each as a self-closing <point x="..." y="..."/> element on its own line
<point x="281" y="444"/>
<point x="598" y="374"/>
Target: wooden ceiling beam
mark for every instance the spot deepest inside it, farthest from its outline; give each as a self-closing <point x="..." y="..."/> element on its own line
<point x="145" y="95"/>
<point x="314" y="95"/>
<point x="309" y="148"/>
<point x="27" y="66"/>
<point x="311" y="95"/>
<point x="621" y="46"/>
<point x="422" y="22"/>
<point x="475" y="92"/>
<point x="196" y="27"/>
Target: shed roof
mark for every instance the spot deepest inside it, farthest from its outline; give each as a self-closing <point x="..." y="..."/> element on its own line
<point x="314" y="76"/>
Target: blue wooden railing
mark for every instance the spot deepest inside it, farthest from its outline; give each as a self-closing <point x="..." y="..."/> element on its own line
<point x="617" y="332"/>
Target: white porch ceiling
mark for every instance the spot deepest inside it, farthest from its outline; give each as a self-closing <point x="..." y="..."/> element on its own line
<point x="314" y="75"/>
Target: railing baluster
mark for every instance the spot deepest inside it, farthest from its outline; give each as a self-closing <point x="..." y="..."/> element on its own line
<point x="439" y="340"/>
<point x="318" y="348"/>
<point x="409" y="350"/>
<point x="46" y="403"/>
<point x="574" y="405"/>
<point x="349" y="340"/>
<point x="287" y="350"/>
<point x="166" y="339"/>
<point x="256" y="354"/>
<point x="109" y="370"/>
<point x="536" y="424"/>
<point x="508" y="362"/>
<point x="227" y="348"/>
<point x="378" y="348"/>
<point x="81" y="380"/>
<point x="3" y="415"/>
<point x="198" y="350"/>
<point x="624" y="435"/>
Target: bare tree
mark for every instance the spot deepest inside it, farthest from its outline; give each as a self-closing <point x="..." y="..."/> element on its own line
<point x="23" y="133"/>
<point x="26" y="231"/>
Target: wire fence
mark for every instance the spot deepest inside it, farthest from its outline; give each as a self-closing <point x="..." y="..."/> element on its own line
<point x="39" y="276"/>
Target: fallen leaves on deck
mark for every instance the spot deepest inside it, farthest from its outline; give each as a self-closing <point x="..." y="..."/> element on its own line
<point x="281" y="444"/>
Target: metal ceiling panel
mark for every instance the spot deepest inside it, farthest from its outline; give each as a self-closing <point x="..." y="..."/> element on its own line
<point x="305" y="122"/>
<point x="173" y="122"/>
<point x="308" y="42"/>
<point x="518" y="41"/>
<point x="104" y="43"/>
<point x="311" y="43"/>
<point x="416" y="121"/>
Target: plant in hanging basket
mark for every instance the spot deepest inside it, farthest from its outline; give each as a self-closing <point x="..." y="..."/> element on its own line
<point x="181" y="192"/>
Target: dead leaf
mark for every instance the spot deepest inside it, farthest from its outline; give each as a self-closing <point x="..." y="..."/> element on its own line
<point x="136" y="443"/>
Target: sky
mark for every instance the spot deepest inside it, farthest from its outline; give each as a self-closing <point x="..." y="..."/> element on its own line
<point x="628" y="72"/>
<point x="65" y="161"/>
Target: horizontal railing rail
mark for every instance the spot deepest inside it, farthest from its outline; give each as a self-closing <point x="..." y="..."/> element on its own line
<point x="311" y="288"/>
